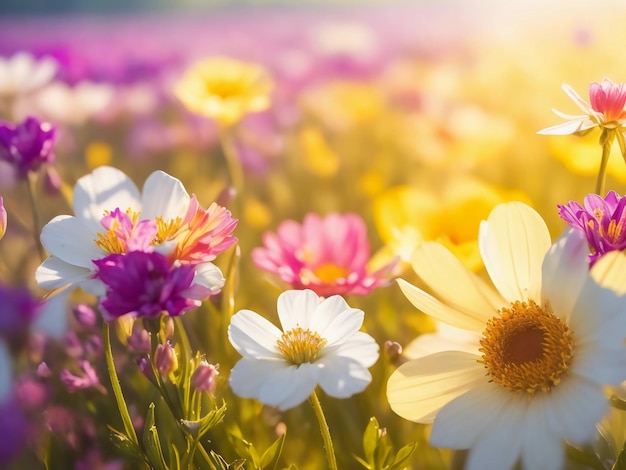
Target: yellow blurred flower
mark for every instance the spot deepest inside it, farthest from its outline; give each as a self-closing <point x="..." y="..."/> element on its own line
<point x="224" y="89"/>
<point x="405" y="216"/>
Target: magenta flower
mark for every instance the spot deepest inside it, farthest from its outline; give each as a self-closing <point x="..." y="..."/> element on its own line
<point x="327" y="255"/>
<point x="146" y="284"/>
<point x="27" y="145"/>
<point x="18" y="309"/>
<point x="87" y="379"/>
<point x="602" y="220"/>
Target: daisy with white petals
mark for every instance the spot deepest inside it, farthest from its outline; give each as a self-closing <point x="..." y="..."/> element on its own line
<point x="320" y="344"/>
<point x="549" y="338"/>
<point x="114" y="217"/>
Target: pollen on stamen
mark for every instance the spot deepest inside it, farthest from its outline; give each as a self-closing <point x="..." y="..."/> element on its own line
<point x="300" y="346"/>
<point x="166" y="229"/>
<point x="527" y="348"/>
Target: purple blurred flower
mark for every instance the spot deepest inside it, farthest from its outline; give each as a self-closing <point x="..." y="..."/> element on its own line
<point x="14" y="428"/>
<point x="85" y="316"/>
<point x="146" y="284"/>
<point x="602" y="220"/>
<point x="27" y="145"/>
<point x="19" y="309"/>
<point x="88" y="379"/>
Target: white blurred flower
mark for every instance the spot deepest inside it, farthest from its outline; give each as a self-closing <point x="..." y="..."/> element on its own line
<point x="23" y="73"/>
<point x="321" y="344"/>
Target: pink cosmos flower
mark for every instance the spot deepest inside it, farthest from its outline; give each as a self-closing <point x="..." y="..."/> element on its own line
<point x="147" y="284"/>
<point x="328" y="255"/>
<point x="602" y="220"/>
<point x="606" y="109"/>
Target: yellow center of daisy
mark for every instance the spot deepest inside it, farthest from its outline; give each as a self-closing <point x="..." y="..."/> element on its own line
<point x="330" y="272"/>
<point x="527" y="348"/>
<point x="300" y="346"/>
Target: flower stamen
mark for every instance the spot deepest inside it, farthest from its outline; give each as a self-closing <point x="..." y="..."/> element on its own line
<point x="300" y="346"/>
<point x="527" y="348"/>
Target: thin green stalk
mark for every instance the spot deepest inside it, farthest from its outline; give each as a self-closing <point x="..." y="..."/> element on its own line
<point x="30" y="184"/>
<point x="328" y="443"/>
<point x="117" y="389"/>
<point x="234" y="165"/>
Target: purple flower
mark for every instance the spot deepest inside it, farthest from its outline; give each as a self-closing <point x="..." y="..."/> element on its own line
<point x="146" y="284"/>
<point x="13" y="430"/>
<point x="602" y="220"/>
<point x="88" y="378"/>
<point x="27" y="145"/>
<point x="19" y="309"/>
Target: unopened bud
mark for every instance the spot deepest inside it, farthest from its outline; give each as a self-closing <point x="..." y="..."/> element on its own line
<point x="204" y="377"/>
<point x="85" y="316"/>
<point x="168" y="327"/>
<point x="393" y="350"/>
<point x="165" y="359"/>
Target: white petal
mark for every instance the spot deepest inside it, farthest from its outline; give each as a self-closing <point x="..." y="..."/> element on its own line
<point x="252" y="335"/>
<point x="295" y="308"/>
<point x="327" y="312"/>
<point x="499" y="445"/>
<point x="54" y="273"/>
<point x="433" y="307"/>
<point x="419" y="388"/>
<point x="360" y="347"/>
<point x="345" y="324"/>
<point x="104" y="189"/>
<point x="446" y="338"/>
<point x="249" y="375"/>
<point x="210" y="276"/>
<point x="564" y="271"/>
<point x="453" y="283"/>
<point x="165" y="196"/>
<point x="460" y="423"/>
<point x="610" y="271"/>
<point x="6" y="371"/>
<point x="573" y="409"/>
<point x="70" y="239"/>
<point x="600" y="364"/>
<point x="52" y="320"/>
<point x="513" y="242"/>
<point x="342" y="377"/>
<point x="582" y="104"/>
<point x="541" y="448"/>
<point x="289" y="386"/>
<point x="569" y="127"/>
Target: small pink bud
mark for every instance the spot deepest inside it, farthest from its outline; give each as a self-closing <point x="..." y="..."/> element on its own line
<point x="3" y="218"/>
<point x="203" y="378"/>
<point x="165" y="359"/>
<point x="85" y="316"/>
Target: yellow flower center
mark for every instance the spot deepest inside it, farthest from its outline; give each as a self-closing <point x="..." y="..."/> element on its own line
<point x="108" y="241"/>
<point x="527" y="348"/>
<point x="300" y="346"/>
<point x="166" y="229"/>
<point x="330" y="272"/>
<point x="226" y="87"/>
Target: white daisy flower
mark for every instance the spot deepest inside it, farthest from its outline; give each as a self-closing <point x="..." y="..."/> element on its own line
<point x="22" y="73"/>
<point x="550" y="337"/>
<point x="320" y="344"/>
<point x="75" y="241"/>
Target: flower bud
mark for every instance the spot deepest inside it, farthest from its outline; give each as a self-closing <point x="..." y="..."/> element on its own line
<point x="203" y="378"/>
<point x="165" y="359"/>
<point x="139" y="340"/>
<point x="3" y="218"/>
<point x="85" y="316"/>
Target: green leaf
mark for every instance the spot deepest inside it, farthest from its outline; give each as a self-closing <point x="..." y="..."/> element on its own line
<point x="272" y="454"/>
<point x="246" y="449"/>
<point x="620" y="463"/>
<point x="174" y="459"/>
<point x="151" y="442"/>
<point x="370" y="440"/>
<point x="218" y="462"/>
<point x="402" y="457"/>
<point x="124" y="445"/>
<point x="198" y="428"/>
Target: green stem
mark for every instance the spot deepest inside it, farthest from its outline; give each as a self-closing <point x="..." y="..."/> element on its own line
<point x="606" y="152"/>
<point x="117" y="389"/>
<point x="234" y="165"/>
<point x="30" y="184"/>
<point x="328" y="443"/>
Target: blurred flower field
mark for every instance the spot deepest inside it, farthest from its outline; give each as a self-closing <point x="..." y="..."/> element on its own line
<point x="266" y="238"/>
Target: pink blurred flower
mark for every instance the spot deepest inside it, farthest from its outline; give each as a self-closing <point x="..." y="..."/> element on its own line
<point x="87" y="379"/>
<point x="602" y="220"/>
<point x="328" y="255"/>
<point x="3" y="218"/>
